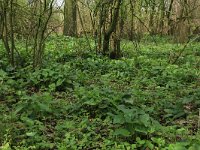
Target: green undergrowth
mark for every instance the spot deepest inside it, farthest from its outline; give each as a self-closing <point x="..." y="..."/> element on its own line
<point x="147" y="100"/>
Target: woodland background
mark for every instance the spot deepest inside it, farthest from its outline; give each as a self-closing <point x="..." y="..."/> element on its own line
<point x="100" y="74"/>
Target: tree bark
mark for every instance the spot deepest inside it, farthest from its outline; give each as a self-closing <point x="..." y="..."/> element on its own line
<point x="111" y="28"/>
<point x="169" y="21"/>
<point x="70" y="18"/>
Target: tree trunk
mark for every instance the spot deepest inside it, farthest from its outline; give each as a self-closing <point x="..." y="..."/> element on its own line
<point x="7" y="30"/>
<point x="131" y="34"/>
<point x="161" y="25"/>
<point x="151" y="19"/>
<point x="70" y="18"/>
<point x="169" y="21"/>
<point x="111" y="28"/>
<point x="182" y="27"/>
<point x="1" y="21"/>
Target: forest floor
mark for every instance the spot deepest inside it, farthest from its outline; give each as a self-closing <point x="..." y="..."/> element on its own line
<point x="149" y="99"/>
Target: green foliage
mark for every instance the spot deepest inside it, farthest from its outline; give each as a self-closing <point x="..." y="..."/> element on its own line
<point x="79" y="100"/>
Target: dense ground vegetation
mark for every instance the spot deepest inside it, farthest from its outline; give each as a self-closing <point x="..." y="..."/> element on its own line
<point x="148" y="99"/>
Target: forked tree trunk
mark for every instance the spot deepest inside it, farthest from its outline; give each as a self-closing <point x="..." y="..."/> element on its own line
<point x="111" y="28"/>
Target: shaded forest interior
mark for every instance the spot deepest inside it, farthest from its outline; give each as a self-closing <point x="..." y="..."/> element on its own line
<point x="100" y="74"/>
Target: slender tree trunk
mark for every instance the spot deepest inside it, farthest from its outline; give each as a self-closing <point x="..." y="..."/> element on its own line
<point x="162" y="17"/>
<point x="45" y="13"/>
<point x="151" y="19"/>
<point x="132" y="17"/>
<point x="169" y="21"/>
<point x="99" y="28"/>
<point x="8" y="29"/>
<point x="12" y="47"/>
<point x="1" y="20"/>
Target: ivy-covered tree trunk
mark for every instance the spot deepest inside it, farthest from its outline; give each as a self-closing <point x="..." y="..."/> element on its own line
<point x="70" y="18"/>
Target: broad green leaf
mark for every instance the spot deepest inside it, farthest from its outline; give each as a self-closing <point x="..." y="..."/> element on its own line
<point x="122" y="132"/>
<point x="44" y="107"/>
<point x="118" y="119"/>
<point x="59" y="82"/>
<point x="30" y="134"/>
<point x="145" y="119"/>
<point x="5" y="146"/>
